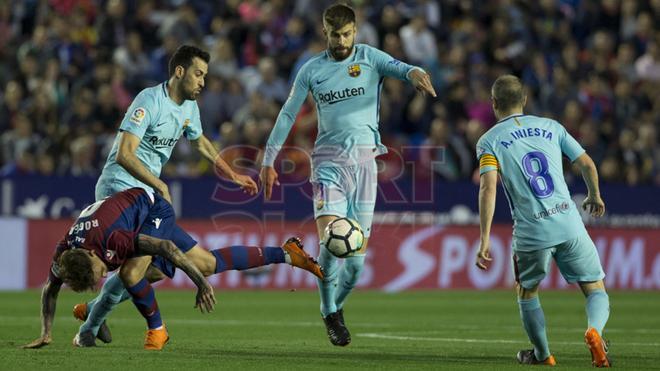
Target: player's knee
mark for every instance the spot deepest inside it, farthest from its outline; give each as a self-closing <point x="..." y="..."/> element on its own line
<point x="130" y="277"/>
<point x="203" y="260"/>
<point x="205" y="263"/>
<point x="526" y="293"/>
<point x="154" y="275"/>
<point x="589" y="287"/>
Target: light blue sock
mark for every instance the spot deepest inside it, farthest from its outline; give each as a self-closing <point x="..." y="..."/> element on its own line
<point x="328" y="285"/>
<point x="533" y="320"/>
<point x="112" y="293"/>
<point x="598" y="310"/>
<point x="349" y="276"/>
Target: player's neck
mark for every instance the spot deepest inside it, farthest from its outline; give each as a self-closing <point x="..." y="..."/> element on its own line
<point x="502" y="115"/>
<point x="173" y="92"/>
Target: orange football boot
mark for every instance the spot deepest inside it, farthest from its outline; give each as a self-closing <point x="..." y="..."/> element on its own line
<point x="299" y="258"/>
<point x="597" y="347"/>
<point x="156" y="339"/>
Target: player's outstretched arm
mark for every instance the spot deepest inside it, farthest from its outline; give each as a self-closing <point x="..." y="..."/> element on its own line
<point x="48" y="303"/>
<point x="206" y="148"/>
<point x="487" y="194"/>
<point x="155" y="246"/>
<point x="421" y="81"/>
<point x="593" y="203"/>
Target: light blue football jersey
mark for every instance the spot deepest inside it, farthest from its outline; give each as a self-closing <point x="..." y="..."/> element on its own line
<point x="159" y="122"/>
<point x="527" y="151"/>
<point x="347" y="96"/>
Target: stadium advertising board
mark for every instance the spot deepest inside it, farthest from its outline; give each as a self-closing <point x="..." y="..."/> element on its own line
<point x="400" y="257"/>
<point x="429" y="201"/>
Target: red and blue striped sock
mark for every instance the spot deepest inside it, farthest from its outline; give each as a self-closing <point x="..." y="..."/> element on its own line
<point x="144" y="299"/>
<point x="246" y="257"/>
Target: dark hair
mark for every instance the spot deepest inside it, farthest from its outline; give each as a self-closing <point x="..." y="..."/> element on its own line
<point x="507" y="92"/>
<point x="76" y="270"/>
<point x="184" y="55"/>
<point x="338" y="15"/>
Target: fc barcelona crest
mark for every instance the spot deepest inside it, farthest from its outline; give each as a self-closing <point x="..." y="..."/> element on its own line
<point x="354" y="70"/>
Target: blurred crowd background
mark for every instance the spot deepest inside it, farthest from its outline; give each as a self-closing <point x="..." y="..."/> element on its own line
<point x="70" y="68"/>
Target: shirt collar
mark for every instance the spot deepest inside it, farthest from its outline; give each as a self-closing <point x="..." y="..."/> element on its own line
<point x="511" y="116"/>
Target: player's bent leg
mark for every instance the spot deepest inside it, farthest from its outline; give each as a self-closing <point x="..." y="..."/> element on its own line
<point x="578" y="261"/>
<point x="530" y="268"/>
<point x="112" y="293"/>
<point x="132" y="274"/>
<point x="598" y="311"/>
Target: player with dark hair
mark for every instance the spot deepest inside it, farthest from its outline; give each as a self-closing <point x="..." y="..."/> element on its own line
<point x="118" y="233"/>
<point x="345" y="81"/>
<point x="152" y="126"/>
<point x="527" y="151"/>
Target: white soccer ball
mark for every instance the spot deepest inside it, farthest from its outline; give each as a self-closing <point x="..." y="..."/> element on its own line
<point x="343" y="236"/>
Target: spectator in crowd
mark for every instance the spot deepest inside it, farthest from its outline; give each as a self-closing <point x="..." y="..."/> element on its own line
<point x="68" y="70"/>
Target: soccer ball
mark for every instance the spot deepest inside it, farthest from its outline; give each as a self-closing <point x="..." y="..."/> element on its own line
<point x="343" y="236"/>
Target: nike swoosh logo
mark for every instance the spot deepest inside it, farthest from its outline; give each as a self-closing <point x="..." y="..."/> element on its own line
<point x="318" y="82"/>
<point x="337" y="101"/>
<point x="161" y="124"/>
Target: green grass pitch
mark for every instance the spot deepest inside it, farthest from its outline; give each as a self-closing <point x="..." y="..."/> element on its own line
<point x="282" y="330"/>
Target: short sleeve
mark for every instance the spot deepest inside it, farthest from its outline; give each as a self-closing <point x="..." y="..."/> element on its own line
<point x="120" y="246"/>
<point x="193" y="130"/>
<point x="486" y="157"/>
<point x="140" y="115"/>
<point x="569" y="146"/>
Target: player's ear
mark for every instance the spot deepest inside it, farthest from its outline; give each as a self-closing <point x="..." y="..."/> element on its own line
<point x="524" y="100"/>
<point x="179" y="71"/>
<point x="494" y="103"/>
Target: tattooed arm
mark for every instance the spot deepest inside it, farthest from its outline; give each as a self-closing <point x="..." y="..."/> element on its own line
<point x="148" y="245"/>
<point x="48" y="301"/>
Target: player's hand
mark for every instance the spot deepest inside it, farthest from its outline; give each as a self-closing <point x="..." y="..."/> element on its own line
<point x="165" y="192"/>
<point x="268" y="177"/>
<point x="205" y="300"/>
<point x="246" y="183"/>
<point x="422" y="82"/>
<point x="38" y="343"/>
<point x="594" y="205"/>
<point x="483" y="256"/>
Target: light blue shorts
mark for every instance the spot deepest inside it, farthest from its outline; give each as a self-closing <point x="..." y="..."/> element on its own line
<point x="348" y="191"/>
<point x="577" y="260"/>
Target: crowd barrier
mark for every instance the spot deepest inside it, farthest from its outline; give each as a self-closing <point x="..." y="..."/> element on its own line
<point x="400" y="256"/>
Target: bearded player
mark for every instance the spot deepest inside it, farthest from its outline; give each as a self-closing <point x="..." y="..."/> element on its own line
<point x="345" y="81"/>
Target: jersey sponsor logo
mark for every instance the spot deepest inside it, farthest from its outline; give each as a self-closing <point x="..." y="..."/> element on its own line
<point x="333" y="96"/>
<point x="157" y="142"/>
<point x="559" y="208"/>
<point x="138" y="115"/>
<point x="354" y="70"/>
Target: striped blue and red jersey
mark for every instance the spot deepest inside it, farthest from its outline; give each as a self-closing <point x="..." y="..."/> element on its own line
<point x="108" y="227"/>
